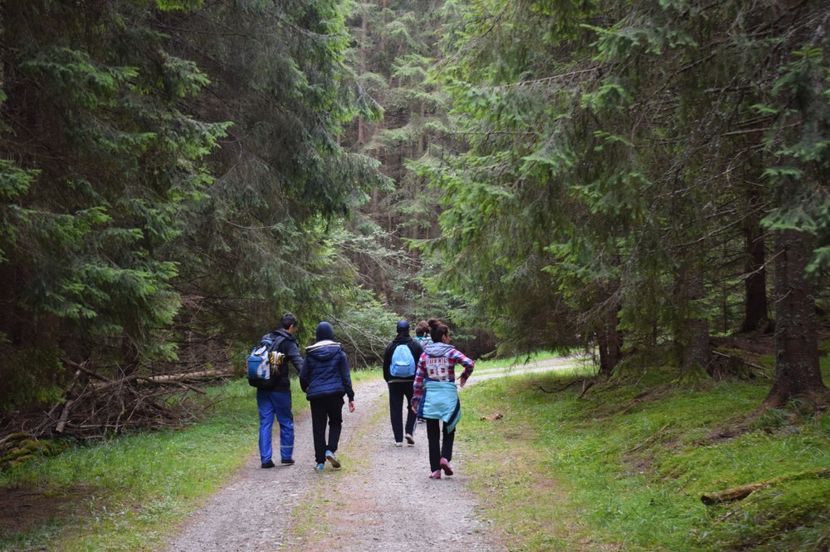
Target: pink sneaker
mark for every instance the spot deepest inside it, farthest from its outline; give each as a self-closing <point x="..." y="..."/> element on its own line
<point x="435" y="475"/>
<point x="445" y="465"/>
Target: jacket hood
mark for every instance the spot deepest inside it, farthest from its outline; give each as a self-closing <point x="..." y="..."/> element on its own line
<point x="323" y="350"/>
<point x="438" y="349"/>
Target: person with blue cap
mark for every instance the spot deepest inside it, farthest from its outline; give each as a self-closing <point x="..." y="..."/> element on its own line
<point x="325" y="378"/>
<point x="399" y="363"/>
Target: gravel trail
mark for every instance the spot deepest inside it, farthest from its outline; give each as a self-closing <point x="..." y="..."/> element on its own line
<point x="382" y="499"/>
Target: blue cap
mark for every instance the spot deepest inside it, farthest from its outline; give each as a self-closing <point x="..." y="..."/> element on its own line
<point x="403" y="326"/>
<point x="324" y="331"/>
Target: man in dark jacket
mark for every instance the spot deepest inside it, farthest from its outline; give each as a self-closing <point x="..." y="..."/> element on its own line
<point x="274" y="399"/>
<point x="325" y="379"/>
<point x="399" y="375"/>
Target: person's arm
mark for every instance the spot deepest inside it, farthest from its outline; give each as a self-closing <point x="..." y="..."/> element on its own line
<point x="418" y="383"/>
<point x="346" y="377"/>
<point x="292" y="352"/>
<point x="457" y="357"/>
<point x="305" y="375"/>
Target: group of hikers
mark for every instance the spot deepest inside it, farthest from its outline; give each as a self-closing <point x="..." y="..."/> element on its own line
<point x="422" y="369"/>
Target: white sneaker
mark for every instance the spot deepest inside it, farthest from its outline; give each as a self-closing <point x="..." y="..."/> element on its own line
<point x="409" y="440"/>
<point x="398" y="444"/>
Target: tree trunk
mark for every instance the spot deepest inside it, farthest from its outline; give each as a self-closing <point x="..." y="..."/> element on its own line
<point x="364" y="28"/>
<point x="755" y="284"/>
<point x="610" y="341"/>
<point x="692" y="328"/>
<point x="797" y="373"/>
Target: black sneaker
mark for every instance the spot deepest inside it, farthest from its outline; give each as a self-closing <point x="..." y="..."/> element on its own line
<point x="287" y="462"/>
<point x="268" y="464"/>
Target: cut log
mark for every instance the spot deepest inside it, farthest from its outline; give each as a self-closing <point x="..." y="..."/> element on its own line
<point x="743" y="491"/>
<point x="204" y="374"/>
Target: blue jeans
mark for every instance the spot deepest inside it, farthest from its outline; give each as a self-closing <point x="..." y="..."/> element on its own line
<point x="270" y="404"/>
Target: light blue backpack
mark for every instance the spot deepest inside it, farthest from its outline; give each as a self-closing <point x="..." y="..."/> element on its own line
<point x="403" y="363"/>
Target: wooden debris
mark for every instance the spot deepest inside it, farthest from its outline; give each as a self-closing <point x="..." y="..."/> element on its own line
<point x="743" y="491"/>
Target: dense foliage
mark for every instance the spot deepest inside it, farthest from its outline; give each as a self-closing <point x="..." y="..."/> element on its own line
<point x="618" y="174"/>
<point x="171" y="181"/>
<point x="626" y="167"/>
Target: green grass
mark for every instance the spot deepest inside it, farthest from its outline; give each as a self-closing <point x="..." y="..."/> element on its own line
<point x="626" y="465"/>
<point x="513" y="361"/>
<point x="130" y="491"/>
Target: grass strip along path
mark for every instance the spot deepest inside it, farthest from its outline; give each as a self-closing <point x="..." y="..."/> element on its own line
<point x="133" y="492"/>
<point x="625" y="467"/>
<point x="621" y="469"/>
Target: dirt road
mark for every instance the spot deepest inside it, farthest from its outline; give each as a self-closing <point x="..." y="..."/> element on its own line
<point x="381" y="500"/>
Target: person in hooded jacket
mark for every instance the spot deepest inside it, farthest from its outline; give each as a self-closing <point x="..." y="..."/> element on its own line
<point x="399" y="378"/>
<point x="422" y="333"/>
<point x="325" y="379"/>
<point x="274" y="398"/>
<point x="435" y="397"/>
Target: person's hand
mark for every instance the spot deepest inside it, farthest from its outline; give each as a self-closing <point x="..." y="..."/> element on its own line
<point x="461" y="382"/>
<point x="351" y="406"/>
<point x="414" y="409"/>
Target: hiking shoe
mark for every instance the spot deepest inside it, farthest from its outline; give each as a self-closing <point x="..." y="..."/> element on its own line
<point x="445" y="465"/>
<point x="268" y="464"/>
<point x="287" y="461"/>
<point x="435" y="475"/>
<point x="319" y="468"/>
<point x="409" y="440"/>
<point x="398" y="443"/>
<point x="335" y="463"/>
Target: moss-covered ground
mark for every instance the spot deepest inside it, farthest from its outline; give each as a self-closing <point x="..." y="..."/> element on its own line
<point x="624" y="467"/>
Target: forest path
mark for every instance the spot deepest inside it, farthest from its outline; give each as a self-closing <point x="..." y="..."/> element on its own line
<point x="382" y="497"/>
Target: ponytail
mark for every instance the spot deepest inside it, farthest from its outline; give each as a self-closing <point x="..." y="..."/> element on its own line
<point x="437" y="330"/>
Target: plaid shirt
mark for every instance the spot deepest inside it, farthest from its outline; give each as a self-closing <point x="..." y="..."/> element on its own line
<point x="441" y="368"/>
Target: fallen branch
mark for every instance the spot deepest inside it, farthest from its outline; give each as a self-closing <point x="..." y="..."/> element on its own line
<point x="204" y="374"/>
<point x="82" y="367"/>
<point x="743" y="491"/>
<point x="654" y="437"/>
<point x="587" y="384"/>
<point x="174" y="382"/>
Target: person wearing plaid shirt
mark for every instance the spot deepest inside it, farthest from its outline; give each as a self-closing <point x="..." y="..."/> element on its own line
<point x="435" y="398"/>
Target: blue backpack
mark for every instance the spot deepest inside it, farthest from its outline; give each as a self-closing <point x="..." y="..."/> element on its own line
<point x="403" y="363"/>
<point x="265" y="362"/>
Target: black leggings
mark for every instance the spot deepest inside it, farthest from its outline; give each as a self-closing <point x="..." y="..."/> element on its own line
<point x="326" y="410"/>
<point x="436" y="450"/>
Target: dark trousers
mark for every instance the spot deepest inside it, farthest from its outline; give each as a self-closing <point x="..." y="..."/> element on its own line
<point x="326" y="410"/>
<point x="397" y="391"/>
<point x="436" y="449"/>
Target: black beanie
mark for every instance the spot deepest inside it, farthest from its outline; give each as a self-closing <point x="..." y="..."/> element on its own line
<point x="324" y="331"/>
<point x="403" y="327"/>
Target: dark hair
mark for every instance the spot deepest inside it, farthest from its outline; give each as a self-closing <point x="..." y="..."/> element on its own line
<point x="422" y="328"/>
<point x="288" y="320"/>
<point x="437" y="330"/>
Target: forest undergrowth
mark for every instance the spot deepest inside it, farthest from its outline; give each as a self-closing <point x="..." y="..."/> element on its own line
<point x="625" y="466"/>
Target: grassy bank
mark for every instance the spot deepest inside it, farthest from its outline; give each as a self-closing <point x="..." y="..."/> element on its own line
<point x="130" y="492"/>
<point x="624" y="468"/>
